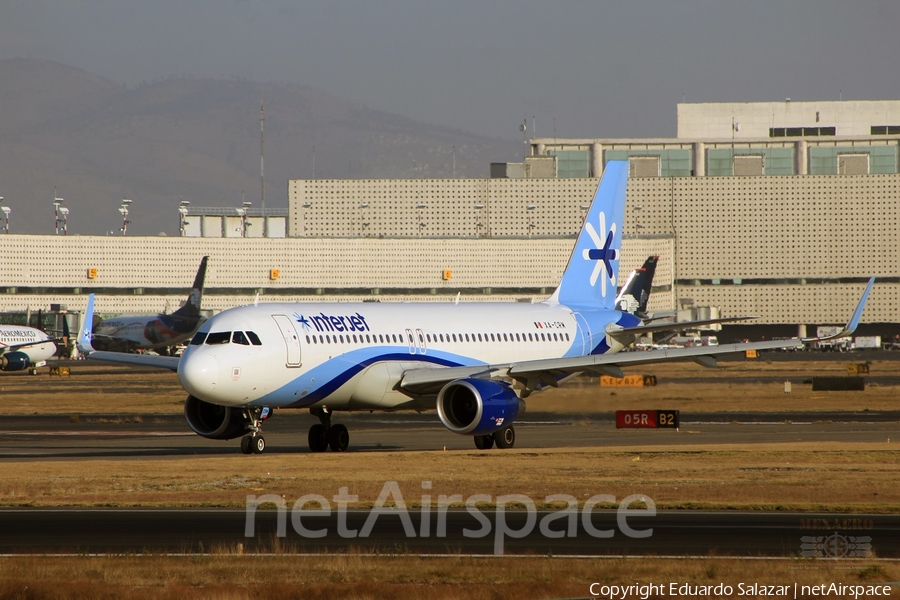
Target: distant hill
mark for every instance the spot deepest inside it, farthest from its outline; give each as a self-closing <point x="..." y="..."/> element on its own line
<point x="197" y="139"/>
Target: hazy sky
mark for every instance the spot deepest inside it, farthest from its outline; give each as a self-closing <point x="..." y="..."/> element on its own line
<point x="591" y="69"/>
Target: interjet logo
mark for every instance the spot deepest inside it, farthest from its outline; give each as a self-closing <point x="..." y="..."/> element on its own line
<point x="602" y="253"/>
<point x="322" y="322"/>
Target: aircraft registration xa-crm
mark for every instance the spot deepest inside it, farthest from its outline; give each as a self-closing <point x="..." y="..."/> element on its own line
<point x="475" y="363"/>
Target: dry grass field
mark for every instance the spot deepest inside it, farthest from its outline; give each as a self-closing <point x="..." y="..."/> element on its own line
<point x="843" y="477"/>
<point x="227" y="576"/>
<point x="849" y="477"/>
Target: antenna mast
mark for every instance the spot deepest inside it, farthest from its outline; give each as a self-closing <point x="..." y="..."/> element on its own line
<point x="262" y="154"/>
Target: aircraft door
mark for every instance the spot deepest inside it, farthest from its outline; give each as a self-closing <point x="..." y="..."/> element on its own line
<point x="291" y="339"/>
<point x="421" y="337"/>
<point x="411" y="340"/>
<point x="584" y="331"/>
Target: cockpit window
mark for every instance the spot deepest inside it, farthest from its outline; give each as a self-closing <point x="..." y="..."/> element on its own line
<point x="199" y="338"/>
<point x="240" y="338"/>
<point x="221" y="337"/>
<point x="254" y="339"/>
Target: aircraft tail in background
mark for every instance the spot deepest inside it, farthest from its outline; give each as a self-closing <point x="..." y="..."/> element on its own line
<point x="635" y="294"/>
<point x="191" y="308"/>
<point x="590" y="277"/>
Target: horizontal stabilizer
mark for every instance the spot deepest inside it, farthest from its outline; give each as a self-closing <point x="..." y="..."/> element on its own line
<point x="614" y="330"/>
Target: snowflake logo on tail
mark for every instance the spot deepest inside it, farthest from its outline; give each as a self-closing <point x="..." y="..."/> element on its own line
<point x="602" y="253"/>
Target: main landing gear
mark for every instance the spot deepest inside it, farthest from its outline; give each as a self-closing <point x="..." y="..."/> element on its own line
<point x="323" y="435"/>
<point x="255" y="443"/>
<point x="503" y="438"/>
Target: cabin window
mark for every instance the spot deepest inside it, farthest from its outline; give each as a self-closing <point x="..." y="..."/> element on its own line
<point x="199" y="338"/>
<point x="454" y="337"/>
<point x="342" y="339"/>
<point x="368" y="339"/>
<point x="221" y="337"/>
<point x="354" y="339"/>
<point x="254" y="339"/>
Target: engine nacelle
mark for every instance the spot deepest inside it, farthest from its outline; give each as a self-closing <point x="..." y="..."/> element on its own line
<point x="213" y="421"/>
<point x="478" y="406"/>
<point x="14" y="361"/>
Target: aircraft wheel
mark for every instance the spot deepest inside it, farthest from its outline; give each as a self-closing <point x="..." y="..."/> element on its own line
<point x="506" y="437"/>
<point x="245" y="444"/>
<point x="484" y="442"/>
<point x="318" y="438"/>
<point x="338" y="438"/>
<point x="257" y="444"/>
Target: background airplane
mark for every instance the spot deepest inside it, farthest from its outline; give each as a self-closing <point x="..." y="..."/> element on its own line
<point x="156" y="332"/>
<point x="635" y="294"/>
<point x="476" y="363"/>
<point x="24" y="347"/>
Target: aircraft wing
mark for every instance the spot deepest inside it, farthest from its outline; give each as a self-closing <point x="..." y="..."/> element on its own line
<point x="540" y="373"/>
<point x="534" y="374"/>
<point x="145" y="360"/>
<point x="84" y="346"/>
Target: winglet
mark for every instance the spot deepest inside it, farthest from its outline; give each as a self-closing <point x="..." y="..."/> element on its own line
<point x="87" y="323"/>
<point x="852" y="324"/>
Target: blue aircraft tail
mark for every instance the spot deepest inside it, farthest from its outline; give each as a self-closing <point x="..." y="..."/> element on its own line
<point x="591" y="275"/>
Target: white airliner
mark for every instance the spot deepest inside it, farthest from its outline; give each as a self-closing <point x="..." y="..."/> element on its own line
<point x="158" y="332"/>
<point x="475" y="363"/>
<point x="24" y="347"/>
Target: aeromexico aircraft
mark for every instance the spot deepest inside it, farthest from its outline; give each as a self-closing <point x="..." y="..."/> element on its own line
<point x="24" y="347"/>
<point x="475" y="363"/>
<point x="153" y="332"/>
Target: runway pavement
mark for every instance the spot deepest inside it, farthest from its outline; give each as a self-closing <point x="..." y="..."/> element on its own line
<point x="458" y="531"/>
<point x="98" y="436"/>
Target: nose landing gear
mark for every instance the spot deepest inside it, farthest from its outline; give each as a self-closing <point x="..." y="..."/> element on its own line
<point x="324" y="435"/>
<point x="255" y="443"/>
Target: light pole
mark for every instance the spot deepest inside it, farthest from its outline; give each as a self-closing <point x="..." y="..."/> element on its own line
<point x="306" y="207"/>
<point x="362" y="218"/>
<point x="59" y="209"/>
<point x="478" y="219"/>
<point x="419" y="222"/>
<point x="6" y="210"/>
<point x="242" y="211"/>
<point x="183" y="209"/>
<point x="124" y="210"/>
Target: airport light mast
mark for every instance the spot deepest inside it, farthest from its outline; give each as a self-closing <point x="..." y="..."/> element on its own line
<point x="62" y="216"/>
<point x="183" y="209"/>
<point x="6" y="210"/>
<point x="124" y="210"/>
<point x="243" y="212"/>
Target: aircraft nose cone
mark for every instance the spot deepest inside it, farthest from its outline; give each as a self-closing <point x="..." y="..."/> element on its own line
<point x="198" y="374"/>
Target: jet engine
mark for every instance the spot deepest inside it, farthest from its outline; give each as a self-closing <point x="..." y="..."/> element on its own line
<point x="478" y="406"/>
<point x="14" y="361"/>
<point x="213" y="421"/>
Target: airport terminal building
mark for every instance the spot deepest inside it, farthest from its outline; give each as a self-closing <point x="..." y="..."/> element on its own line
<point x="780" y="209"/>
